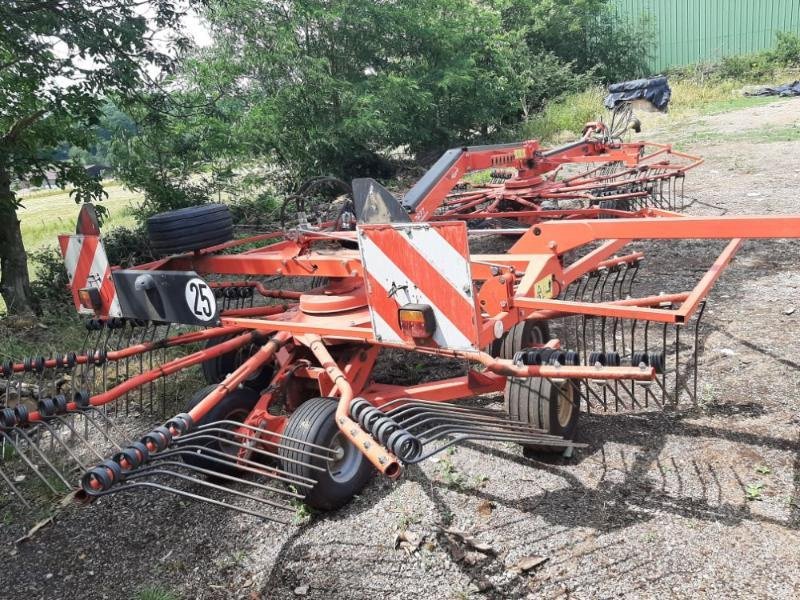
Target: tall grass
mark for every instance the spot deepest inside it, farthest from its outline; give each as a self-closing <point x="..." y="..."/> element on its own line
<point x="564" y="119"/>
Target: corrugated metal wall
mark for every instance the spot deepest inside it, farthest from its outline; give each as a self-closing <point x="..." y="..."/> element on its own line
<point x="690" y="31"/>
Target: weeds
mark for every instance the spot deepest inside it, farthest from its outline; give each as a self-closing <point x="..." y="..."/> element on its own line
<point x="302" y="513"/>
<point x="154" y="593"/>
<point x="753" y="491"/>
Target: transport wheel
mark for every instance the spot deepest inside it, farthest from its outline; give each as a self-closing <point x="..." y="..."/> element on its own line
<point x="344" y="477"/>
<point x="189" y="229"/>
<point x="544" y="404"/>
<point x="216" y="369"/>
<point x="233" y="407"/>
<point x="522" y="335"/>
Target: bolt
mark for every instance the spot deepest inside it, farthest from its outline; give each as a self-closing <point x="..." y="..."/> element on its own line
<point x="494" y="270"/>
<point x="341" y="420"/>
<point x="367" y="445"/>
<point x="378" y="337"/>
<point x="537" y="231"/>
<point x="382" y="460"/>
<point x="552" y="245"/>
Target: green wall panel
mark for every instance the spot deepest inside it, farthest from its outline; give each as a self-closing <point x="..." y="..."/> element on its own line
<point x="690" y="31"/>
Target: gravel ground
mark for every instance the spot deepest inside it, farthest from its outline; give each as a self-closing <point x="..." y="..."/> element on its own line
<point x="656" y="506"/>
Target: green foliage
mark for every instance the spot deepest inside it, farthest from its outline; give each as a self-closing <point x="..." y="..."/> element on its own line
<point x="753" y="491"/>
<point x="587" y="33"/>
<point x="53" y="97"/>
<point x="322" y="86"/>
<point x="564" y="119"/>
<point x="747" y="68"/>
<point x="787" y="49"/>
<point x="154" y="592"/>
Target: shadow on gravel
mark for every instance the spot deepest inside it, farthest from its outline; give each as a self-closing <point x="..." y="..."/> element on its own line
<point x="637" y="497"/>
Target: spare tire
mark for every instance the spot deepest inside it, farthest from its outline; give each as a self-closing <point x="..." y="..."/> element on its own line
<point x="189" y="229"/>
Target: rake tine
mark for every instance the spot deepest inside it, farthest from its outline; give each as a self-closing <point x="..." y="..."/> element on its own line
<point x="215" y="424"/>
<point x="54" y="435"/>
<point x="14" y="489"/>
<point x="147" y="471"/>
<point x="197" y="497"/>
<point x="32" y="466"/>
<point x="207" y="436"/>
<point x="244" y="464"/>
<point x="217" y="475"/>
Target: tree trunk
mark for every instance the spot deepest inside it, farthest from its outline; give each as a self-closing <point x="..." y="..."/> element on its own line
<point x="15" y="286"/>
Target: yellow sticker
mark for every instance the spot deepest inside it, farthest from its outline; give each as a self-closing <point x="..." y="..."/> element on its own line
<point x="544" y="287"/>
<point x="519" y="153"/>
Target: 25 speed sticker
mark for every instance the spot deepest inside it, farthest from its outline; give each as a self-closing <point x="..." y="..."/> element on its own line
<point x="200" y="299"/>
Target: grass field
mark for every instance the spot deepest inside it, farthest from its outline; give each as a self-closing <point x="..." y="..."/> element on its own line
<point x="46" y="213"/>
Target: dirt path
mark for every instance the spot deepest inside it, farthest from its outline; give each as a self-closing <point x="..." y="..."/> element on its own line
<point x="657" y="506"/>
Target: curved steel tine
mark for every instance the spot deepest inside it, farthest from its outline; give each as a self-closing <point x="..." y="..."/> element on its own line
<point x="109" y="425"/>
<point x="217" y="475"/>
<point x="33" y="467"/>
<point x="14" y="489"/>
<point x="185" y="494"/>
<point x="54" y="435"/>
<point x="205" y="435"/>
<point x="260" y="430"/>
<point x="148" y="471"/>
<point x="239" y="463"/>
<point x="431" y="416"/>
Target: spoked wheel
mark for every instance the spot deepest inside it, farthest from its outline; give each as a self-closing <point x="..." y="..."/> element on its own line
<point x="524" y="334"/>
<point x="343" y="476"/>
<point x="545" y="404"/>
<point x="233" y="407"/>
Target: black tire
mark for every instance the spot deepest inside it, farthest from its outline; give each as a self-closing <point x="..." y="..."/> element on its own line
<point x="522" y="335"/>
<point x="234" y="407"/>
<point x="544" y="404"/>
<point x="189" y="229"/>
<point x="216" y="369"/>
<point x="313" y="423"/>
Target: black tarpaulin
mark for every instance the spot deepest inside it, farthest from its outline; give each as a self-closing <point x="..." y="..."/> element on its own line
<point x="654" y="89"/>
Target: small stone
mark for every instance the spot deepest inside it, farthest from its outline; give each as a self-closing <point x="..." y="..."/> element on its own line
<point x="301" y="590"/>
<point x="48" y="576"/>
<point x="789" y="310"/>
<point x="727" y="352"/>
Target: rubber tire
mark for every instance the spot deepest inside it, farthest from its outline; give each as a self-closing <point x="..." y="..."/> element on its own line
<point x="216" y="369"/>
<point x="313" y="422"/>
<point x="521" y="336"/>
<point x="534" y="401"/>
<point x="240" y="399"/>
<point x="189" y="229"/>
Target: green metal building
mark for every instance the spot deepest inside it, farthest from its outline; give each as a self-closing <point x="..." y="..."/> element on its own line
<point x="691" y="31"/>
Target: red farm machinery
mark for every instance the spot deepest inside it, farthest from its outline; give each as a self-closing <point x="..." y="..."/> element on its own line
<point x="280" y="333"/>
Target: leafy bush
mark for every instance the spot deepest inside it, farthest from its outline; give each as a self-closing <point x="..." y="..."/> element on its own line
<point x="787" y="49"/>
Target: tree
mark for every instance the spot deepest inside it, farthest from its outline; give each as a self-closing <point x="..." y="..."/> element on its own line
<point x="59" y="59"/>
<point x="327" y="86"/>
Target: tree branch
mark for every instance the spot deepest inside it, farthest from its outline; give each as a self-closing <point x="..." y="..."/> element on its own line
<point x="21" y="125"/>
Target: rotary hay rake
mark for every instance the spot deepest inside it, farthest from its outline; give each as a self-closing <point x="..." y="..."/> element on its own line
<point x="564" y="320"/>
<point x="599" y="173"/>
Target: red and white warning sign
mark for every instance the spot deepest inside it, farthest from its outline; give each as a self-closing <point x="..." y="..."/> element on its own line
<point x="420" y="263"/>
<point x="88" y="268"/>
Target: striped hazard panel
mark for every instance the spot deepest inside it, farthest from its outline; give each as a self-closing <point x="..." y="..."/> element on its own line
<point x="420" y="263"/>
<point x="87" y="267"/>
